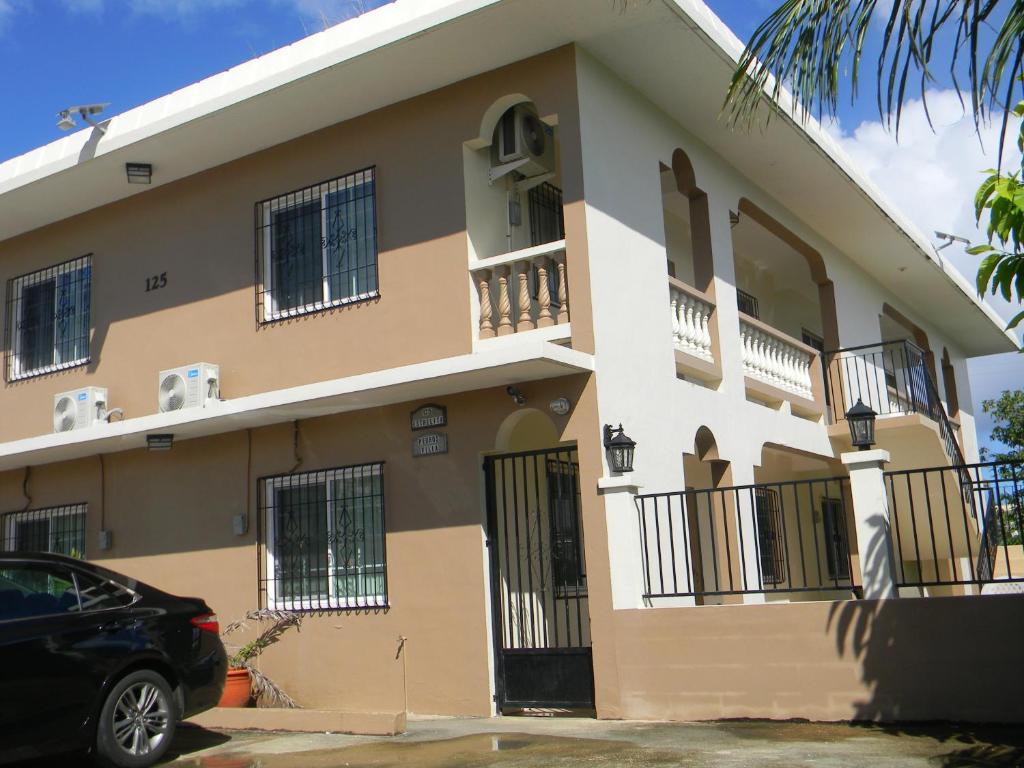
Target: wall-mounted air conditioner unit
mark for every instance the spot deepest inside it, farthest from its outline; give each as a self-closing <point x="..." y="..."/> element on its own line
<point x="190" y="386"/>
<point x="525" y="144"/>
<point x="79" y="408"/>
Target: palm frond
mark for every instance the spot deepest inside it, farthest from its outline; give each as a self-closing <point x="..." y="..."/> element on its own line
<point x="806" y="47"/>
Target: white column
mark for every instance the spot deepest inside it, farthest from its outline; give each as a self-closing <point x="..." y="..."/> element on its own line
<point x="624" y="558"/>
<point x="871" y="514"/>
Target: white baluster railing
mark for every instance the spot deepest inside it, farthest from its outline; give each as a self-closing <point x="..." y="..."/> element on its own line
<point x="772" y="357"/>
<point x="521" y="291"/>
<point x="691" y="319"/>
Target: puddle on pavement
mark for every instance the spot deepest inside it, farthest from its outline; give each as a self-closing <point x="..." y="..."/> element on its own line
<point x="477" y="751"/>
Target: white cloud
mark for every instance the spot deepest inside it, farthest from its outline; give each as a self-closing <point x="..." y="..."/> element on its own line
<point x="931" y="175"/>
<point x="932" y="172"/>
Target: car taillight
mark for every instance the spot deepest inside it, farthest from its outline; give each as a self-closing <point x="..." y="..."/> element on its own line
<point x="207" y="622"/>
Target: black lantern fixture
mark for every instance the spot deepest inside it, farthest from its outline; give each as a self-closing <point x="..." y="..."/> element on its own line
<point x="862" y="425"/>
<point x="620" y="449"/>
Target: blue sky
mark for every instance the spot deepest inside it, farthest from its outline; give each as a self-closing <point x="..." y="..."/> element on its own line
<point x="55" y="53"/>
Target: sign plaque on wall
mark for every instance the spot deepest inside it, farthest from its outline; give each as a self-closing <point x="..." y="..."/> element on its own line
<point x="430" y="444"/>
<point x="428" y="416"/>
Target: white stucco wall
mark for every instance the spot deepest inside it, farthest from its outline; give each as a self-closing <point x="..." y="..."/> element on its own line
<point x="624" y="138"/>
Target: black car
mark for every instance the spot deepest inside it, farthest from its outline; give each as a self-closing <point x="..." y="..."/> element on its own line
<point x="93" y="660"/>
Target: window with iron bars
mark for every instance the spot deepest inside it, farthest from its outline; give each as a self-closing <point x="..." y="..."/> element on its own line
<point x="324" y="539"/>
<point x="747" y="304"/>
<point x="60" y="530"/>
<point x="547" y="221"/>
<point x="48" y="319"/>
<point x="316" y="247"/>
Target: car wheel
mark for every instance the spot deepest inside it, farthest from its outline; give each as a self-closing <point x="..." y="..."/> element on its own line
<point x="137" y="721"/>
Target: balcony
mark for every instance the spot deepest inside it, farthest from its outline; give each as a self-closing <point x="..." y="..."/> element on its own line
<point x="693" y="332"/>
<point x="892" y="378"/>
<point x="779" y="369"/>
<point x="523" y="292"/>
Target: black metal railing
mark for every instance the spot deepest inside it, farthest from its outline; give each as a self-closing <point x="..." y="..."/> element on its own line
<point x="323" y="539"/>
<point x="60" y="530"/>
<point x="770" y="537"/>
<point x="957" y="525"/>
<point x="892" y="378"/>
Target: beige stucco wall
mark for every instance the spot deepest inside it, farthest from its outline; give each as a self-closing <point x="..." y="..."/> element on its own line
<point x="201" y="232"/>
<point x="943" y="658"/>
<point x="171" y="517"/>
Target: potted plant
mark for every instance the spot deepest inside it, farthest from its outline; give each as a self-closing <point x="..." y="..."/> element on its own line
<point x="245" y="681"/>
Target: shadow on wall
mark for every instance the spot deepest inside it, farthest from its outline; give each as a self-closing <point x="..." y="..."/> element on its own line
<point x="940" y="659"/>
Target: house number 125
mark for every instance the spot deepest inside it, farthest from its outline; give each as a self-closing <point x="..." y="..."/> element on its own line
<point x="156" y="282"/>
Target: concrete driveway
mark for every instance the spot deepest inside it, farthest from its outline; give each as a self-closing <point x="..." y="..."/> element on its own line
<point x="521" y="742"/>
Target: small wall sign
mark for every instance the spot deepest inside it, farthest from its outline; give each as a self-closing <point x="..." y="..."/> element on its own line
<point x="428" y="416"/>
<point x="430" y="444"/>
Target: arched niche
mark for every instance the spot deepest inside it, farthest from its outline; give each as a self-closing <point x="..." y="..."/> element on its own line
<point x="704" y="467"/>
<point x="823" y="288"/>
<point x="526" y="429"/>
<point x="949" y="384"/>
<point x="501" y="217"/>
<point x="687" y="224"/>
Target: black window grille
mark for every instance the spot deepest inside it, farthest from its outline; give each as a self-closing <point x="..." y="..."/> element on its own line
<point x="323" y="534"/>
<point x="769" y="535"/>
<point x="316" y="247"/>
<point x="48" y="319"/>
<point x="60" y="530"/>
<point x="837" y="550"/>
<point x="812" y="339"/>
<point x="547" y="222"/>
<point x="747" y="304"/>
<point x="568" y="570"/>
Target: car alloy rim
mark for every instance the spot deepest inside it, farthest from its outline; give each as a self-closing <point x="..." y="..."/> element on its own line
<point x="140" y="719"/>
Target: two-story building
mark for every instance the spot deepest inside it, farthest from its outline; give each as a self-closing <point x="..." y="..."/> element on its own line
<point x="339" y="330"/>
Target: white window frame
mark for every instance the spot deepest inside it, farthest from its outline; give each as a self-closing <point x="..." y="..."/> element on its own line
<point x="18" y="286"/>
<point x="293" y="200"/>
<point x="331" y="600"/>
<point x="49" y="514"/>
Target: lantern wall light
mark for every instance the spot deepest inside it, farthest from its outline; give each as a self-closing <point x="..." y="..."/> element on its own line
<point x="620" y="449"/>
<point x="861" y="420"/>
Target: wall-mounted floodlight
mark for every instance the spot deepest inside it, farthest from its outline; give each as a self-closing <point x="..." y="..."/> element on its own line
<point x="950" y="239"/>
<point x="139" y="173"/>
<point x="84" y="111"/>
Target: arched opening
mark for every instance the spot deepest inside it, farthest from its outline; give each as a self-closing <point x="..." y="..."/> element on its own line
<point x="512" y="206"/>
<point x="709" y="524"/>
<point x="526" y="429"/>
<point x="895" y="326"/>
<point x="949" y="384"/>
<point x="803" y="520"/>
<point x="687" y="225"/>
<point x="782" y="281"/>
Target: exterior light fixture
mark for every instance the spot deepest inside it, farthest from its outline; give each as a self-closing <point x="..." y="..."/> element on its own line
<point x="139" y="173"/>
<point x="620" y="449"/>
<point x="84" y="111"/>
<point x="159" y="442"/>
<point x="862" y="425"/>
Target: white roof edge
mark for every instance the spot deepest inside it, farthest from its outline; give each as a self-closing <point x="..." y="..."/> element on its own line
<point x="259" y="409"/>
<point x="721" y="36"/>
<point x="355" y="37"/>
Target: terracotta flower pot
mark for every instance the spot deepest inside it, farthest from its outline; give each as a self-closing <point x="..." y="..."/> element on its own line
<point x="237" y="689"/>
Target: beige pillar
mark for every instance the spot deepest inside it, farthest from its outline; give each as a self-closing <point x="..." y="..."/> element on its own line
<point x="871" y="515"/>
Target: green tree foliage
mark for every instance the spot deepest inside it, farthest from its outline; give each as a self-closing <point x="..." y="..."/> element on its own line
<point x="1007" y="412"/>
<point x="1002" y="197"/>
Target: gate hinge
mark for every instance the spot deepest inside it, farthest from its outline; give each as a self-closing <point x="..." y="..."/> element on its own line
<point x="488" y="543"/>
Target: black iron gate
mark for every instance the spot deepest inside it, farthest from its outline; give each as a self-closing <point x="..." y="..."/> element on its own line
<point x="538" y="580"/>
